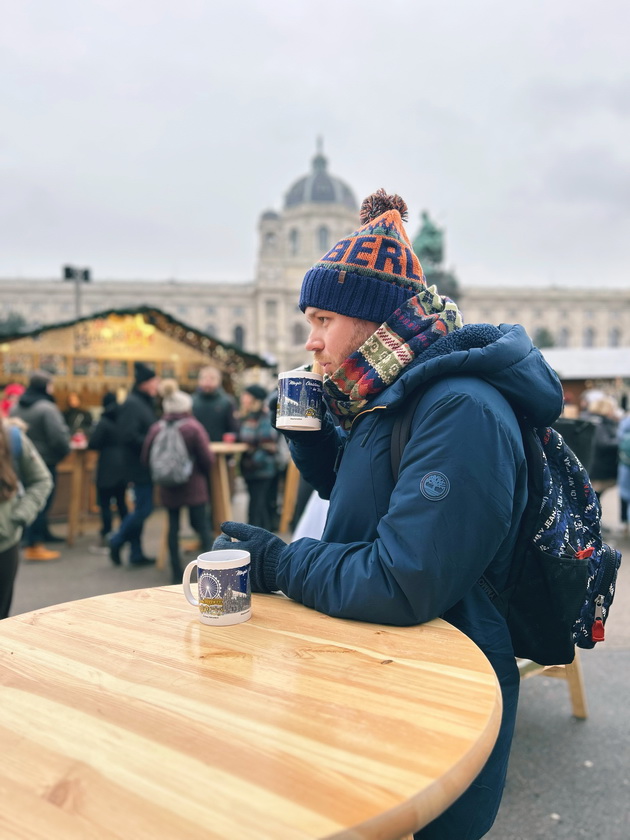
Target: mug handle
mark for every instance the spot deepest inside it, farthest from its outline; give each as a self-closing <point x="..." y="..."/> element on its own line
<point x="186" y="584"/>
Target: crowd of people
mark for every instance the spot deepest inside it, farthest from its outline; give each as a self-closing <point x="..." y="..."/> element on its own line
<point x="123" y="435"/>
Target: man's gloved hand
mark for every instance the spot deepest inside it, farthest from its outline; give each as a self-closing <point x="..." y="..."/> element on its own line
<point x="264" y="549"/>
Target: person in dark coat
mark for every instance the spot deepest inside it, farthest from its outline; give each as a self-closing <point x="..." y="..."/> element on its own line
<point x="78" y="419"/>
<point x="49" y="432"/>
<point x="212" y="406"/>
<point x="258" y="465"/>
<point x="603" y="411"/>
<point x="177" y="407"/>
<point x="135" y="417"/>
<point x="111" y="485"/>
<point x="406" y="550"/>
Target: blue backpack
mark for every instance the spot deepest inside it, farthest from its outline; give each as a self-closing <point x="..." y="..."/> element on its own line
<point x="562" y="577"/>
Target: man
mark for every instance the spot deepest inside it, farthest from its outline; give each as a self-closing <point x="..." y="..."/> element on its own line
<point x="405" y="551"/>
<point x="212" y="406"/>
<point x="135" y="416"/>
<point x="50" y="435"/>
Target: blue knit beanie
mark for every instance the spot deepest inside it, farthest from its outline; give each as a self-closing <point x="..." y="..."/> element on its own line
<point x="373" y="271"/>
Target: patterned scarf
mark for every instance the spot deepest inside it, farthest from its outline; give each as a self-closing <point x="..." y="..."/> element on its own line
<point x="380" y="360"/>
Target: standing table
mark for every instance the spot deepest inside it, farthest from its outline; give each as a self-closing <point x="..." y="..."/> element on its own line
<point x="123" y="716"/>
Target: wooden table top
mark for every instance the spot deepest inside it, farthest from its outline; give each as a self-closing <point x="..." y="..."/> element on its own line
<point x="122" y="716"/>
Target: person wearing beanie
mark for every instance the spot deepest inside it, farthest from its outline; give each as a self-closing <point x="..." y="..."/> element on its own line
<point x="111" y="484"/>
<point x="403" y="550"/>
<point x="135" y="417"/>
<point x="47" y="429"/>
<point x="258" y="465"/>
<point x="194" y="493"/>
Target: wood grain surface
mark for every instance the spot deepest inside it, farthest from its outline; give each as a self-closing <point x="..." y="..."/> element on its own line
<point x="122" y="716"/>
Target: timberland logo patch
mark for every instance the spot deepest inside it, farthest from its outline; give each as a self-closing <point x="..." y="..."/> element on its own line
<point x="435" y="486"/>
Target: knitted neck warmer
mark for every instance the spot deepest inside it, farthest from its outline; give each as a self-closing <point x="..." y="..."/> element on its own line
<point x="408" y="332"/>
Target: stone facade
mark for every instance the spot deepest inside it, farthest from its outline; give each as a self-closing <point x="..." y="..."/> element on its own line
<point x="262" y="316"/>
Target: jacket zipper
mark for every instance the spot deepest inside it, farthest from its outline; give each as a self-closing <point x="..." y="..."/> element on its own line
<point x="342" y="448"/>
<point x="608" y="573"/>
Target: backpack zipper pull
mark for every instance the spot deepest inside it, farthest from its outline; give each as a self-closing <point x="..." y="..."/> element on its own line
<point x="583" y="553"/>
<point x="597" y="630"/>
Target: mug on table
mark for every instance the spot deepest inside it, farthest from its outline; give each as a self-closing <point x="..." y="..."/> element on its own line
<point x="223" y="586"/>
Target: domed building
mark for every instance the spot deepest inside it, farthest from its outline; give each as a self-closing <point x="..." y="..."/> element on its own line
<point x="262" y="316"/>
<point x="319" y="209"/>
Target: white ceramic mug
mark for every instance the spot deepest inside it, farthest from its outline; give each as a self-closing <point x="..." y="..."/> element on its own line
<point x="223" y="586"/>
<point x="299" y="401"/>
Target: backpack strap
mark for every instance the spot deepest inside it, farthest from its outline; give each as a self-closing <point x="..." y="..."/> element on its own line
<point x="402" y="426"/>
<point x="15" y="442"/>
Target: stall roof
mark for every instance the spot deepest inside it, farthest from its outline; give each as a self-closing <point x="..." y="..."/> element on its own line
<point x="589" y="362"/>
<point x="227" y="354"/>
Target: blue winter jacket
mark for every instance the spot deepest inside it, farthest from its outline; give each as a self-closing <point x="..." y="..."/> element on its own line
<point x="406" y="552"/>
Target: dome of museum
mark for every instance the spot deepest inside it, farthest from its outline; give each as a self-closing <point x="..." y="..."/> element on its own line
<point x="320" y="187"/>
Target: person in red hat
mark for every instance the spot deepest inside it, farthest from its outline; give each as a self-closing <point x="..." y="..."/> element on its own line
<point x="12" y="393"/>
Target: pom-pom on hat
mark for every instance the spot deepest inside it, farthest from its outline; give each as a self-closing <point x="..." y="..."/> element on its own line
<point x="174" y="401"/>
<point x="373" y="271"/>
<point x="142" y="373"/>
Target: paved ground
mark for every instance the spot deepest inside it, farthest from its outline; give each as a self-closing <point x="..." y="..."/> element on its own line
<point x="568" y="779"/>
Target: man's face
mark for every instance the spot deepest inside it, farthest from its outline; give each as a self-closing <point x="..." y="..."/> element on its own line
<point x="150" y="387"/>
<point x="334" y="337"/>
<point x="209" y="380"/>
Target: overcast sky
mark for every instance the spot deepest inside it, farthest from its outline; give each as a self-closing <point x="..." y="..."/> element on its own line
<point x="143" y="138"/>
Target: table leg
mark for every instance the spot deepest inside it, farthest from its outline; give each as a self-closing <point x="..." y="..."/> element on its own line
<point x="76" y="499"/>
<point x="221" y="499"/>
<point x="291" y="484"/>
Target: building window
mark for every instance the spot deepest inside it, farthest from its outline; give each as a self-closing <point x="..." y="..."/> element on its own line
<point x="239" y="336"/>
<point x="238" y="312"/>
<point x="589" y="337"/>
<point x="323" y="238"/>
<point x="271" y="308"/>
<point x="614" y="338"/>
<point x="182" y="310"/>
<point x="563" y="337"/>
<point x="294" y="242"/>
<point x="211" y="329"/>
<point x="270" y="241"/>
<point x="210" y="310"/>
<point x="300" y="333"/>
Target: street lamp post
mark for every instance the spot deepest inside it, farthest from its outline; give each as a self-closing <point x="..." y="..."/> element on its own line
<point x="77" y="276"/>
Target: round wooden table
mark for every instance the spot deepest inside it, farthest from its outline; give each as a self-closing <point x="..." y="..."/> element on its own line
<point x="122" y="716"/>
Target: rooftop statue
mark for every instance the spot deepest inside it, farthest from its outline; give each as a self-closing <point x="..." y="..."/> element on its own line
<point x="429" y="242"/>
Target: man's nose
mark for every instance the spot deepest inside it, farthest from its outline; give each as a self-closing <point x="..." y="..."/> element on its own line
<point x="313" y="342"/>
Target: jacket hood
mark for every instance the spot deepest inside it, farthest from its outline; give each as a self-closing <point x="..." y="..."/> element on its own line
<point x="33" y="395"/>
<point x="503" y="356"/>
<point x="111" y="411"/>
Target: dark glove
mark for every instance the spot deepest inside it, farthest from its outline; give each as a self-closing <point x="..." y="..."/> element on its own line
<point x="264" y="549"/>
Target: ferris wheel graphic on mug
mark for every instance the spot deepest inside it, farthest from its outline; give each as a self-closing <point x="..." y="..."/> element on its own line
<point x="209" y="586"/>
